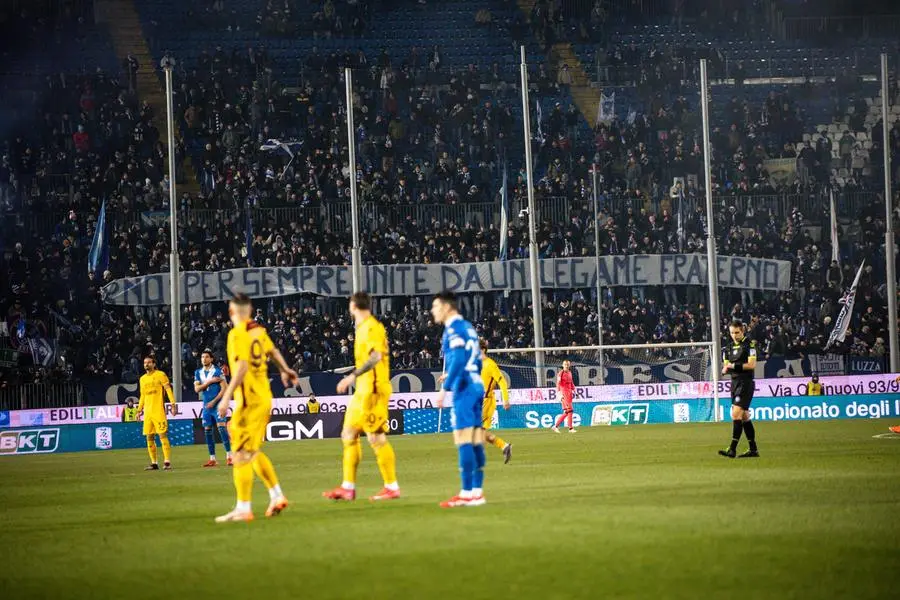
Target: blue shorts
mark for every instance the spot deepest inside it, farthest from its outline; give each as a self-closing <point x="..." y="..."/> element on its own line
<point x="467" y="407"/>
<point x="210" y="417"/>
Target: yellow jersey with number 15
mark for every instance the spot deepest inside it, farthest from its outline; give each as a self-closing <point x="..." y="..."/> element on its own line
<point x="249" y="341"/>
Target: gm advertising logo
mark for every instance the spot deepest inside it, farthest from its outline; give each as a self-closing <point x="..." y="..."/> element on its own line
<point x="31" y="441"/>
<point x="620" y="414"/>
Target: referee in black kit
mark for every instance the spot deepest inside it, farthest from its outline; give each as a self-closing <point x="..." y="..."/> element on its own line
<point x="740" y="362"/>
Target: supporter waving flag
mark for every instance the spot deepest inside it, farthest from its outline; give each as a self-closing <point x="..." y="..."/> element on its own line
<point x="98" y="257"/>
<point x="843" y="321"/>
<point x="504" y="217"/>
<point x="289" y="147"/>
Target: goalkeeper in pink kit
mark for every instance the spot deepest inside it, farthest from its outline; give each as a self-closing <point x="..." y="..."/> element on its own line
<point x="565" y="387"/>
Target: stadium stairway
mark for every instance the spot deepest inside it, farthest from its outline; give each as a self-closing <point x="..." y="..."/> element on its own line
<point x="128" y="38"/>
<point x="586" y="98"/>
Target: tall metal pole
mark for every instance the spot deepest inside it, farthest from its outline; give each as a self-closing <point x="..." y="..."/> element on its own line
<point x="599" y="286"/>
<point x="712" y="261"/>
<point x="174" y="270"/>
<point x="889" y="223"/>
<point x="355" y="253"/>
<point x="537" y="319"/>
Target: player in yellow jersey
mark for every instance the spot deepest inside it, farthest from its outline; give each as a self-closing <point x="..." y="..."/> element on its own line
<point x="368" y="409"/>
<point x="249" y="349"/>
<point x="153" y="384"/>
<point x="493" y="379"/>
<point x="895" y="428"/>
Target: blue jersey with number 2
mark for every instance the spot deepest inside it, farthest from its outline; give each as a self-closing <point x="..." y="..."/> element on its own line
<point x="462" y="354"/>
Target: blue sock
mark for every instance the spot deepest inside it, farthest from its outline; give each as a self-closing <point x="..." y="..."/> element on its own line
<point x="226" y="440"/>
<point x="210" y="440"/>
<point x="466" y="466"/>
<point x="480" y="460"/>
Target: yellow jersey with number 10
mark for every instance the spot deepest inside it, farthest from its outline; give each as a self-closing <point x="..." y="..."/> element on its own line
<point x="249" y="341"/>
<point x="371" y="336"/>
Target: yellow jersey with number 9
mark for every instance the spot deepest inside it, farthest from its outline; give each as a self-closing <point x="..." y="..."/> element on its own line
<point x="371" y="336"/>
<point x="249" y="341"/>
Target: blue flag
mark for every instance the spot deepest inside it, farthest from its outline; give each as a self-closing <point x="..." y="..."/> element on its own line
<point x="249" y="238"/>
<point x="504" y="217"/>
<point x="98" y="257"/>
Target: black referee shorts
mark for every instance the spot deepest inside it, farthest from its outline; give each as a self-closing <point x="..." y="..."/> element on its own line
<point x="742" y="392"/>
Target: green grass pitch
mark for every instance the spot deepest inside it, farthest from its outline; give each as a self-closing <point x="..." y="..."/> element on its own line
<point x="637" y="512"/>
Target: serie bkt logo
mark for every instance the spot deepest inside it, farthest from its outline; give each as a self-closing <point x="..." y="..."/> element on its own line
<point x="29" y="441"/>
<point x="620" y="414"/>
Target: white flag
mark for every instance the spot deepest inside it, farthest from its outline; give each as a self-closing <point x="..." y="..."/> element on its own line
<point x="843" y="321"/>
<point x="835" y="251"/>
<point x="606" y="110"/>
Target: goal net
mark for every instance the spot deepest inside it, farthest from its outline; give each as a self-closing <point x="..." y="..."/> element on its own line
<point x="610" y="365"/>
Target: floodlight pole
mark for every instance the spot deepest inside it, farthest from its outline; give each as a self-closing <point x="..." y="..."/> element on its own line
<point x="599" y="286"/>
<point x="889" y="223"/>
<point x="174" y="269"/>
<point x="712" y="261"/>
<point x="355" y="252"/>
<point x="533" y="270"/>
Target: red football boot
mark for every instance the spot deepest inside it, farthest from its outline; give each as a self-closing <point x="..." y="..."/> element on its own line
<point x="455" y="501"/>
<point x="340" y="493"/>
<point x="385" y="494"/>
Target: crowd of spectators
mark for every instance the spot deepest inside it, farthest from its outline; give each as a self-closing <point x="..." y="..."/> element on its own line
<point x="316" y="333"/>
<point x="426" y="135"/>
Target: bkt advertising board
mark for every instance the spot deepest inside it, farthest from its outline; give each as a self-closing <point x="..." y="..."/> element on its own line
<point x="102" y="391"/>
<point x="292" y="427"/>
<point x="81" y="437"/>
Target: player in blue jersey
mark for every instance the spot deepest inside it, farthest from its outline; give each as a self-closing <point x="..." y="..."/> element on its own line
<point x="462" y="357"/>
<point x="208" y="382"/>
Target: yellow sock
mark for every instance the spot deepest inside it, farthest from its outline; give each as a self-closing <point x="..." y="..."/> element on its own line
<point x="151" y="449"/>
<point x="166" y="446"/>
<point x="263" y="468"/>
<point x="499" y="442"/>
<point x="387" y="462"/>
<point x="352" y="456"/>
<point x="243" y="481"/>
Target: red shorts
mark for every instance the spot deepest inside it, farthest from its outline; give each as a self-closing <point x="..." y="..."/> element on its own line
<point x="566" y="401"/>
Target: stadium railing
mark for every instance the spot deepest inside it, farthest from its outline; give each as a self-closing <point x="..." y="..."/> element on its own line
<point x="825" y="27"/>
<point x="337" y="214"/>
<point x="42" y="395"/>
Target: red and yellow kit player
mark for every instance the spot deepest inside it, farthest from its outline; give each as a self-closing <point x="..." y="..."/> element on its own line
<point x="493" y="380"/>
<point x="249" y="351"/>
<point x="152" y="404"/>
<point x="368" y="409"/>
